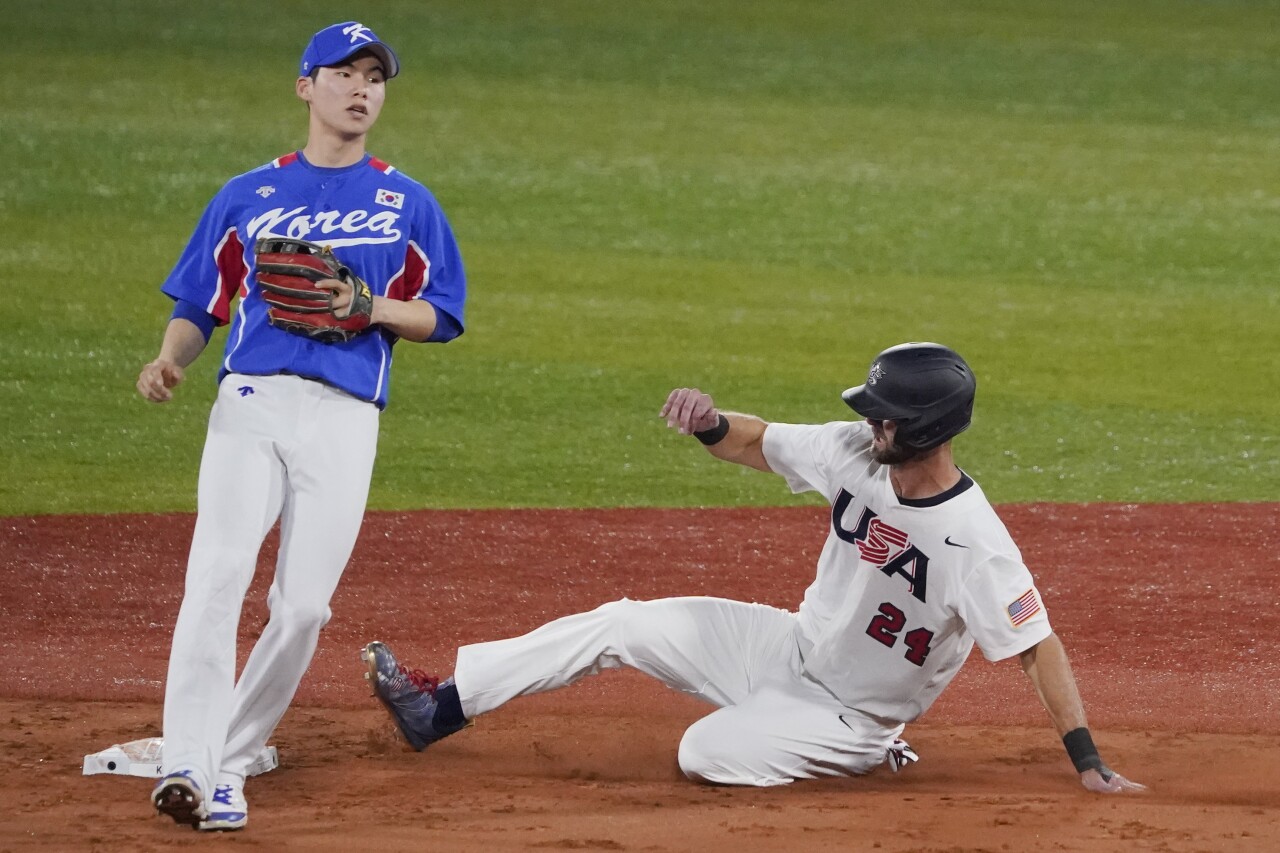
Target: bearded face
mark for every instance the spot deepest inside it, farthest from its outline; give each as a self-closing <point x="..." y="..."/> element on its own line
<point x="883" y="447"/>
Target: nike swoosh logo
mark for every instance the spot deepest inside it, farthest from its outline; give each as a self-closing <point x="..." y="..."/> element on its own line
<point x="954" y="544"/>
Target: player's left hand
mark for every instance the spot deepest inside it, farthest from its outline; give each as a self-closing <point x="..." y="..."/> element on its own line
<point x="1107" y="781"/>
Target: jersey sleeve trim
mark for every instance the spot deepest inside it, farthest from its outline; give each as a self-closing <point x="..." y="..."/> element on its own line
<point x="197" y="316"/>
<point x="411" y="279"/>
<point x="447" y="327"/>
<point x="228" y="257"/>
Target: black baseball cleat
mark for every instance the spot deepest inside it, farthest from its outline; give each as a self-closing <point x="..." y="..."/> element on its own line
<point x="409" y="695"/>
<point x="178" y="796"/>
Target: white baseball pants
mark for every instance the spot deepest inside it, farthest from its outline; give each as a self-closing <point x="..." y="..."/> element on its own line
<point x="774" y="724"/>
<point x="277" y="447"/>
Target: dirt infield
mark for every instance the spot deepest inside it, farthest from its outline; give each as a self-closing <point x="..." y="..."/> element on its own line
<point x="1169" y="613"/>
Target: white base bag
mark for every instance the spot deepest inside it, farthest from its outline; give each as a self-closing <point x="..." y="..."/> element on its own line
<point x="142" y="758"/>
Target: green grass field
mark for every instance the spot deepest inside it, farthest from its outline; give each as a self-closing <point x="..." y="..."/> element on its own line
<point x="750" y="197"/>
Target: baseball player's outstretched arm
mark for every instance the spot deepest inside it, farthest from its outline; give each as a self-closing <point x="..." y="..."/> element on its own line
<point x="183" y="341"/>
<point x="730" y="436"/>
<point x="1047" y="666"/>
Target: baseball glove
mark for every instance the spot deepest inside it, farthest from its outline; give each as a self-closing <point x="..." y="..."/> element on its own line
<point x="289" y="272"/>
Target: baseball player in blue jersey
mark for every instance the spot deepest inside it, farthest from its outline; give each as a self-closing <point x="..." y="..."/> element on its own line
<point x="916" y="570"/>
<point x="320" y="261"/>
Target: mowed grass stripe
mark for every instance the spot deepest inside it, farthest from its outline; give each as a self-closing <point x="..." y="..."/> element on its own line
<point x="753" y="197"/>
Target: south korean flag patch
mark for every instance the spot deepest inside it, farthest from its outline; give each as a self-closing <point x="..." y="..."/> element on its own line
<point x="387" y="198"/>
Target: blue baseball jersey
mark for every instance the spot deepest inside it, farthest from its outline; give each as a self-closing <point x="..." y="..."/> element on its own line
<point x="384" y="225"/>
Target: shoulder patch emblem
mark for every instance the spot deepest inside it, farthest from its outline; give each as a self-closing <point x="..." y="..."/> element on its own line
<point x="1026" y="606"/>
<point x="387" y="198"/>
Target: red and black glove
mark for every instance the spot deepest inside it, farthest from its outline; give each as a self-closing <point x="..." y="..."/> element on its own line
<point x="291" y="272"/>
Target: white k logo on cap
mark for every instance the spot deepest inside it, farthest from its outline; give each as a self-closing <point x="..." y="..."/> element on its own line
<point x="357" y="31"/>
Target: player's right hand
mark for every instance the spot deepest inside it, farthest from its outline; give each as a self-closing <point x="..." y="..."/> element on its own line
<point x="1108" y="781"/>
<point x="690" y="411"/>
<point x="157" y="378"/>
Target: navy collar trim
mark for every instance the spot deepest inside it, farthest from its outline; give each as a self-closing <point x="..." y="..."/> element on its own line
<point x="966" y="483"/>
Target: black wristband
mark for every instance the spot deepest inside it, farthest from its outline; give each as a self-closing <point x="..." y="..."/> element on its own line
<point x="1081" y="751"/>
<point x="716" y="434"/>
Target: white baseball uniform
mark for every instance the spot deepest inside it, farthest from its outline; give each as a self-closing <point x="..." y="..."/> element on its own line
<point x="903" y="590"/>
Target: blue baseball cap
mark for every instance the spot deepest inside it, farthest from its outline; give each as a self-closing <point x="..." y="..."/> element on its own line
<point x="334" y="44"/>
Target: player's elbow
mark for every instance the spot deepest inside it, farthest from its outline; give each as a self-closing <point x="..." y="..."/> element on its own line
<point x="1029" y="657"/>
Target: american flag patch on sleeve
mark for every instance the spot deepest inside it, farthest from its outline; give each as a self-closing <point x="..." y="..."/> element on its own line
<point x="1027" y="605"/>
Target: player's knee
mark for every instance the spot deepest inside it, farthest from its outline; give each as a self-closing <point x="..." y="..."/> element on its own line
<point x="220" y="571"/>
<point x="717" y="751"/>
<point x="708" y="754"/>
<point x="691" y="757"/>
<point x="637" y="627"/>
<point x="302" y="615"/>
<point x="619" y="613"/>
<point x="623" y="619"/>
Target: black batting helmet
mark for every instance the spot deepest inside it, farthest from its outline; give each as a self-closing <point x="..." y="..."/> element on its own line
<point x="926" y="389"/>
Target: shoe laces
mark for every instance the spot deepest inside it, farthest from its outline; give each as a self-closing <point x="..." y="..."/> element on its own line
<point x="419" y="679"/>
